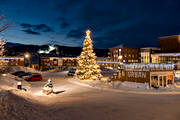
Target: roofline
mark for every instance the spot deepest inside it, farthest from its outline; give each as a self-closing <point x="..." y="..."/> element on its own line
<point x="167" y="54"/>
<point x="169" y="36"/>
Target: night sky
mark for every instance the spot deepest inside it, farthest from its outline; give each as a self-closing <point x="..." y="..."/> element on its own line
<point x="133" y="23"/>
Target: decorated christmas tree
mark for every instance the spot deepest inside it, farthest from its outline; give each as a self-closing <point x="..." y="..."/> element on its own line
<point x="87" y="68"/>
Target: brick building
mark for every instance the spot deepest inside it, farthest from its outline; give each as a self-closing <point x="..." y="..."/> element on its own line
<point x="169" y="43"/>
<point x="125" y="55"/>
<point x="52" y="62"/>
<point x="13" y="61"/>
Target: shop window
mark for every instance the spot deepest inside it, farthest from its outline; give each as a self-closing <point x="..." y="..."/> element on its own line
<point x="154" y="80"/>
<point x="169" y="82"/>
<point x="154" y="77"/>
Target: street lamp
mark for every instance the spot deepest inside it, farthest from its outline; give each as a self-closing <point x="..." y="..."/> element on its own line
<point x="27" y="56"/>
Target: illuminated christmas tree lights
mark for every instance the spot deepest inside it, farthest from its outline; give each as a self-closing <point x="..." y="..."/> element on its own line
<point x="87" y="68"/>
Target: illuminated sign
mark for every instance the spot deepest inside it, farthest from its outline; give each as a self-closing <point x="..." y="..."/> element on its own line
<point x="137" y="74"/>
<point x="148" y="67"/>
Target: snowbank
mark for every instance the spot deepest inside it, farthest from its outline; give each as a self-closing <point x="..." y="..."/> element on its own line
<point x="11" y="81"/>
<point x="15" y="107"/>
<point x="126" y="86"/>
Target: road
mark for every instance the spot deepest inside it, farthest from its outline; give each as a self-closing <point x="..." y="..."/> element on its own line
<point x="76" y="102"/>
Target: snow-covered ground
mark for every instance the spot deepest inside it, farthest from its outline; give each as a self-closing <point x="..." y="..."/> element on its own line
<point x="11" y="81"/>
<point x="125" y="86"/>
<point x="130" y="87"/>
<point x="79" y="102"/>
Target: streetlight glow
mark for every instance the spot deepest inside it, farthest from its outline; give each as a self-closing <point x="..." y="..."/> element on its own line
<point x="26" y="55"/>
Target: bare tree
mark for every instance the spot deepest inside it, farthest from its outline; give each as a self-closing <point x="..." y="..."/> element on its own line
<point x="3" y="62"/>
<point x="3" y="26"/>
<point x="3" y="23"/>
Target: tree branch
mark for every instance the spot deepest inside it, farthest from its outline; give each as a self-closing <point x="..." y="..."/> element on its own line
<point x="4" y="25"/>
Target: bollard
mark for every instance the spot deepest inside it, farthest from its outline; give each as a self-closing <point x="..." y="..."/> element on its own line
<point x="19" y="85"/>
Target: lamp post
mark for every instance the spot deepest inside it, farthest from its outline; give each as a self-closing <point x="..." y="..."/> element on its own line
<point x="27" y="56"/>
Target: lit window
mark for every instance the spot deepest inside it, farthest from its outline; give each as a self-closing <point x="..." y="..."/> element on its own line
<point x="120" y="57"/>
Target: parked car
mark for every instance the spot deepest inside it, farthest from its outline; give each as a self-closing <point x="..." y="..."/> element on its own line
<point x="45" y="69"/>
<point x="71" y="72"/>
<point x="18" y="73"/>
<point x="25" y="74"/>
<point x="33" y="77"/>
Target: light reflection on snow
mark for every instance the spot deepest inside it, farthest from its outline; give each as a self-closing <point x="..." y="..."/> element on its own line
<point x="39" y="93"/>
<point x="57" y="90"/>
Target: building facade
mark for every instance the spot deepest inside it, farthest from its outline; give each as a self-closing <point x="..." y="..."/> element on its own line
<point x="165" y="57"/>
<point x="169" y="43"/>
<point x="52" y="62"/>
<point x="146" y="54"/>
<point x="155" y="74"/>
<point x="13" y="61"/>
<point x="125" y="55"/>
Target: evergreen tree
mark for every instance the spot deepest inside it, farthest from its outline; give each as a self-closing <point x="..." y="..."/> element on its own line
<point x="87" y="68"/>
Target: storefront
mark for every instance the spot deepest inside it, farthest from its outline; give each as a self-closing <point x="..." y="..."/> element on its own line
<point x="133" y="76"/>
<point x="160" y="78"/>
<point x="154" y="74"/>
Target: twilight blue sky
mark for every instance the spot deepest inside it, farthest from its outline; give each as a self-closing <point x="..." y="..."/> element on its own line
<point x="113" y="22"/>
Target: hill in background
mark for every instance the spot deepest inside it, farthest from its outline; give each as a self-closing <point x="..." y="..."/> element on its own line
<point x="16" y="49"/>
